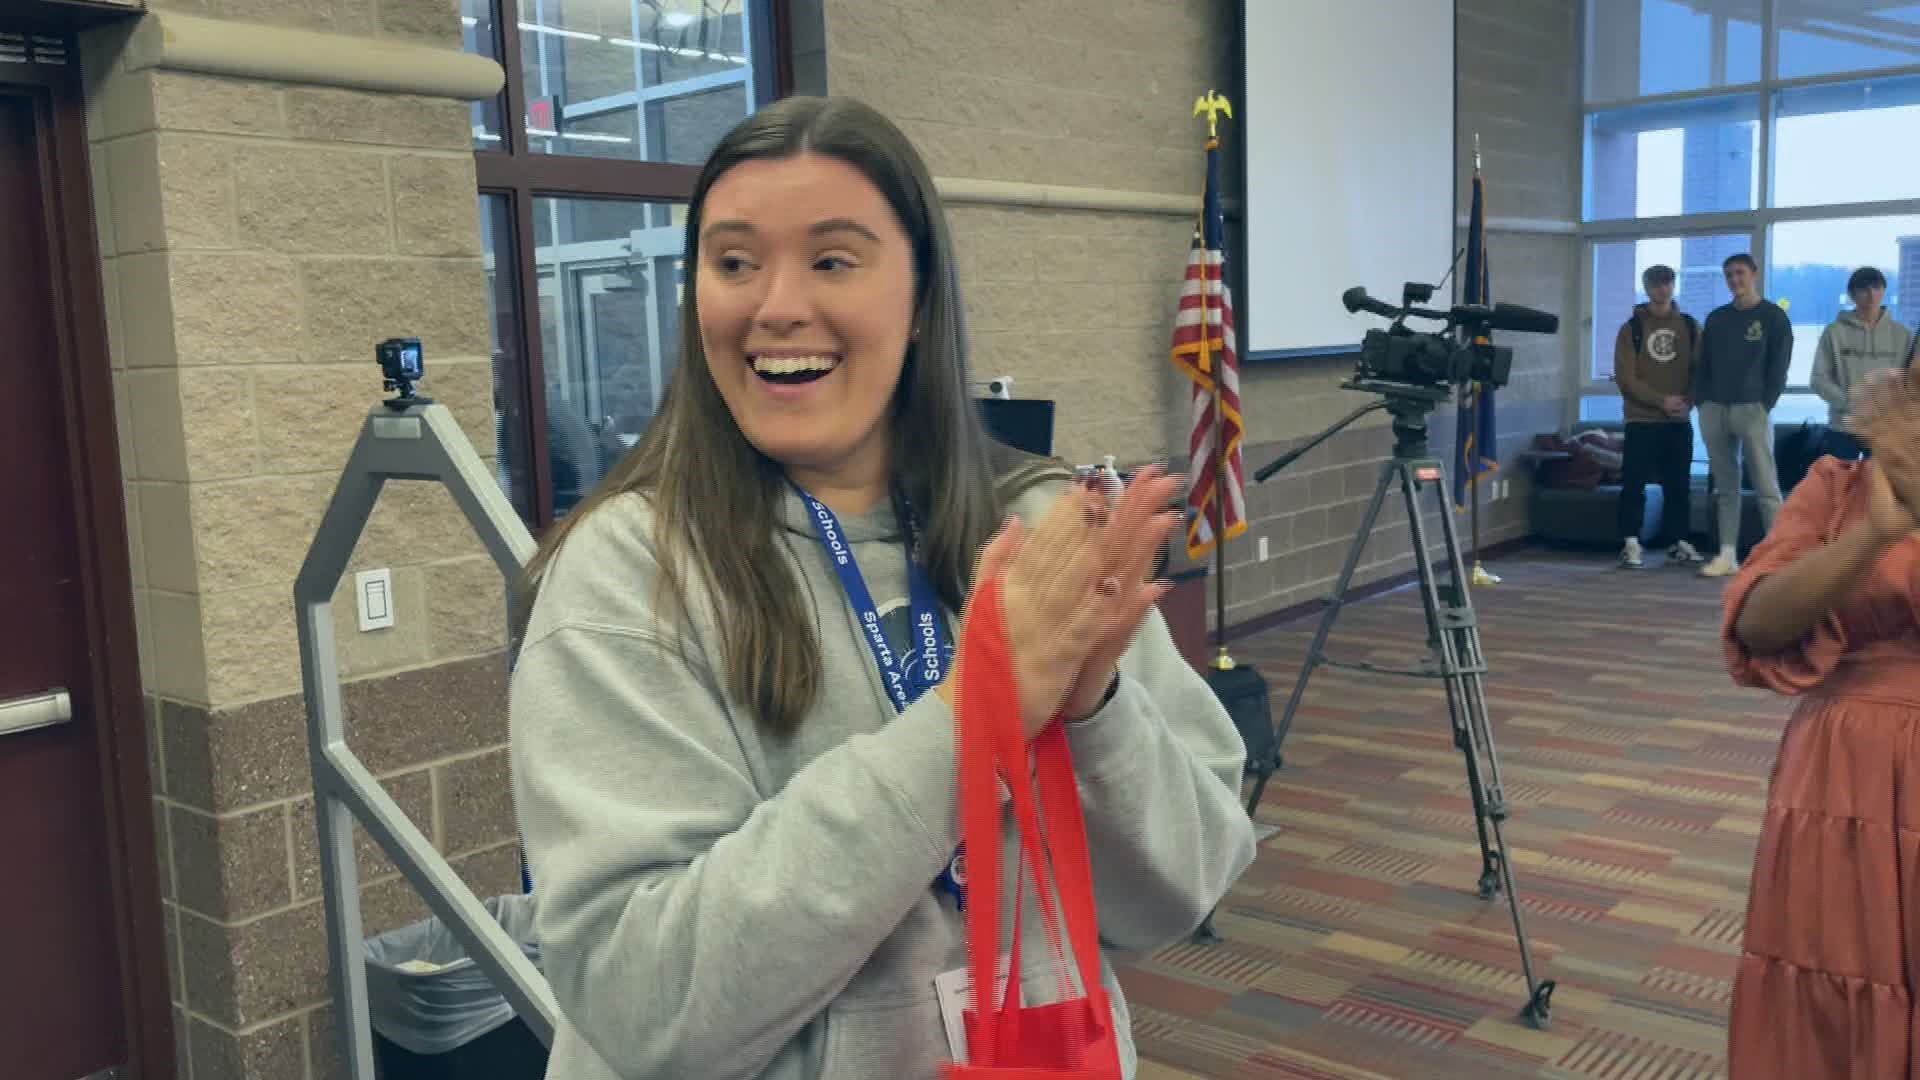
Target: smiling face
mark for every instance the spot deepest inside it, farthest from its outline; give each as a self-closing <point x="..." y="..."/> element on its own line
<point x="804" y="297"/>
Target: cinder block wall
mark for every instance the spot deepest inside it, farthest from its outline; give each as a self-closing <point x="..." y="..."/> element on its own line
<point x="1078" y="305"/>
<point x="258" y="238"/>
<point x="1075" y="304"/>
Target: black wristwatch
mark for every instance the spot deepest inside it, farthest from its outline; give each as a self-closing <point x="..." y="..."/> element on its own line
<point x="1113" y="687"/>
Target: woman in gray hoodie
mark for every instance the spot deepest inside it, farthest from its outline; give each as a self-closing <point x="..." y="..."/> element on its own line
<point x="1854" y="346"/>
<point x="732" y="720"/>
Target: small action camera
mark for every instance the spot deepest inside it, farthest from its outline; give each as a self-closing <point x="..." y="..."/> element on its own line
<point x="402" y="363"/>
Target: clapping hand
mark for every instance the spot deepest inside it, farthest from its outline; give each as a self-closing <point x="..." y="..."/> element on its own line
<point x="1886" y="415"/>
<point x="1074" y="589"/>
<point x="1048" y="575"/>
<point x="1135" y="531"/>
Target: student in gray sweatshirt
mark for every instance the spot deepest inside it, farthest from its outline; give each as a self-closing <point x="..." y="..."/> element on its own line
<point x="1854" y="346"/>
<point x="732" y="726"/>
<point x="1737" y="379"/>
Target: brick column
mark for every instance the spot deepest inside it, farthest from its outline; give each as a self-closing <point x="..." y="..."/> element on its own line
<point x="259" y="236"/>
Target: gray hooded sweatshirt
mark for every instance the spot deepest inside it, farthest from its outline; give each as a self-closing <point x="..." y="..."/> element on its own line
<point x="1850" y="351"/>
<point x="719" y="902"/>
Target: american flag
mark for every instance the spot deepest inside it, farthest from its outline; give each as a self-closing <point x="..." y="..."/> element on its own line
<point x="1203" y="349"/>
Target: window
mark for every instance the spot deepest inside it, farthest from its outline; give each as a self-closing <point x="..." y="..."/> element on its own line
<point x="1641" y="48"/>
<point x="478" y="36"/>
<point x="1700" y="144"/>
<point x="585" y="161"/>
<point x="1847" y="142"/>
<point x="634" y="80"/>
<point x="609" y="286"/>
<point x="1617" y="266"/>
<point x="512" y="431"/>
<point x="1664" y="160"/>
<point x="1823" y="37"/>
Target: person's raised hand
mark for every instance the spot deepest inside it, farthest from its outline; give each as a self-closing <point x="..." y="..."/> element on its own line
<point x="1048" y="573"/>
<point x="1886" y="415"/>
<point x="1133" y="534"/>
<point x="1888" y="516"/>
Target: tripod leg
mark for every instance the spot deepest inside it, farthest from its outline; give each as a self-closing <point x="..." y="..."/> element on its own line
<point x="1474" y="735"/>
<point x="1259" y="788"/>
<point x="1315" y="651"/>
<point x="1440" y="638"/>
<point x="1205" y="934"/>
<point x="1463" y="663"/>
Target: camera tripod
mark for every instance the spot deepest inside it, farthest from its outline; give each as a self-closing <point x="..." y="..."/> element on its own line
<point x="1453" y="641"/>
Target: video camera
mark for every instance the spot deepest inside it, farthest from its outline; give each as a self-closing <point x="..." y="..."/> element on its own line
<point x="402" y="363"/>
<point x="1399" y="361"/>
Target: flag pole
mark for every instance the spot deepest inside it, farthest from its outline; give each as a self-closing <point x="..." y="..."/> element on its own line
<point x="1480" y="574"/>
<point x="1221" y="660"/>
<point x="1212" y="105"/>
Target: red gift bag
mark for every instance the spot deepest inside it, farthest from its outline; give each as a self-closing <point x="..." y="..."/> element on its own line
<point x="1074" y="1037"/>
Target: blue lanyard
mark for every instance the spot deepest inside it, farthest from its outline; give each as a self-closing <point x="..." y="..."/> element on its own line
<point x="906" y="676"/>
<point x="909" y="676"/>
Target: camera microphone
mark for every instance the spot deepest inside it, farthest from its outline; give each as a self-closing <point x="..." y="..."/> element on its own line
<point x="1357" y="300"/>
<point x="1524" y="320"/>
<point x="1510" y="317"/>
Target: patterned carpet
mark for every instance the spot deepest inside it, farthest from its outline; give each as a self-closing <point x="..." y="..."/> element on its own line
<point x="1355" y="946"/>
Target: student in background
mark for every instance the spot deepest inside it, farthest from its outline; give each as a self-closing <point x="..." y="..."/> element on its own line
<point x="1737" y="379"/>
<point x="1653" y="364"/>
<point x="1854" y="346"/>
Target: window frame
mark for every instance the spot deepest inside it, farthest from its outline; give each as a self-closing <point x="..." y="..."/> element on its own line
<point x="520" y="176"/>
<point x="1758" y="223"/>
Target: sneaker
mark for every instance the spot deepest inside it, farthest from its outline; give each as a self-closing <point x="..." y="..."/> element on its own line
<point x="1722" y="565"/>
<point x="1682" y="552"/>
<point x="1630" y="555"/>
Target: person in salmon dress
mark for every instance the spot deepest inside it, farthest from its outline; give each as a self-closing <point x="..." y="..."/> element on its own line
<point x="1827" y="608"/>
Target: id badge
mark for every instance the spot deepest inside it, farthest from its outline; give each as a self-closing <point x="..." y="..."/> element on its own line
<point x="951" y="988"/>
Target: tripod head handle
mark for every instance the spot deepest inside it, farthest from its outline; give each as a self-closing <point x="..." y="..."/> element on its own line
<point x="1261" y="474"/>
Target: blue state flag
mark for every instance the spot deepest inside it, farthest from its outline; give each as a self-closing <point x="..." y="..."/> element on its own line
<point x="1475" y="448"/>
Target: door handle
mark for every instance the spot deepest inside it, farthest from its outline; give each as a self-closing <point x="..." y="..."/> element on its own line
<point x="35" y="711"/>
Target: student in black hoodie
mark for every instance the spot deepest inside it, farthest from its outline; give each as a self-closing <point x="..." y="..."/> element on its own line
<point x="1737" y="379"/>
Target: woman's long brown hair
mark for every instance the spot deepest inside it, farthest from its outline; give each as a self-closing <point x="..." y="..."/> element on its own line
<point x="715" y="497"/>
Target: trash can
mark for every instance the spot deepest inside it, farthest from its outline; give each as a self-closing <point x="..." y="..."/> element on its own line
<point x="436" y="1014"/>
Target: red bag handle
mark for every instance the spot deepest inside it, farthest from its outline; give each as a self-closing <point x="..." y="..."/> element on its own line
<point x="991" y="744"/>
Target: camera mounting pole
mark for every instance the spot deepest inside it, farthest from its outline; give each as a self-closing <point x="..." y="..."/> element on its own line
<point x="1453" y="638"/>
<point x="414" y="441"/>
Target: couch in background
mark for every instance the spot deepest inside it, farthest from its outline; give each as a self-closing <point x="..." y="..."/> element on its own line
<point x="1584" y="517"/>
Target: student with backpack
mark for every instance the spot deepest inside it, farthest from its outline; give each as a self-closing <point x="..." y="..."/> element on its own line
<point x="1653" y="365"/>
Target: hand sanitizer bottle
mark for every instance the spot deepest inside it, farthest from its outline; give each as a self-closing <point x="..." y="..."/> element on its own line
<point x="1110" y="480"/>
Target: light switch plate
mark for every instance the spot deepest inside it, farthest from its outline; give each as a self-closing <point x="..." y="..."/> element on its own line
<point x="373" y="593"/>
